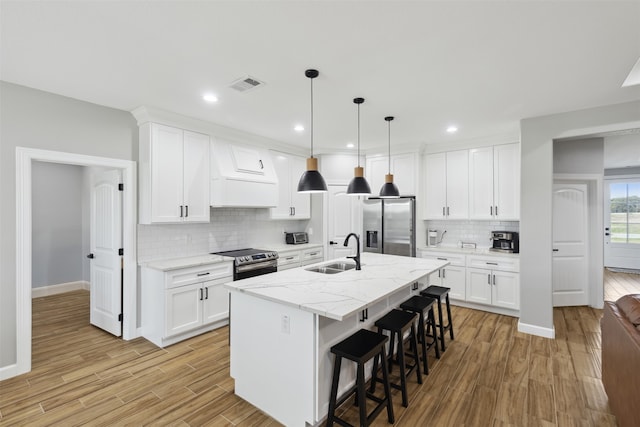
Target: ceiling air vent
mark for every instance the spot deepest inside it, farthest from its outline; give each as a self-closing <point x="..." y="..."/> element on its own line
<point x="246" y="84"/>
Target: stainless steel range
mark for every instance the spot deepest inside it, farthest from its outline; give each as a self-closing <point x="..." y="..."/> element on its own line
<point x="252" y="262"/>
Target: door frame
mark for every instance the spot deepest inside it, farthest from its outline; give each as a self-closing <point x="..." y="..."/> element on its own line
<point x="24" y="159"/>
<point x="595" y="252"/>
<point x="605" y="206"/>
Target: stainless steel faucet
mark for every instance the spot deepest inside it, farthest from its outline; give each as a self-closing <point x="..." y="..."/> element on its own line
<point x="357" y="257"/>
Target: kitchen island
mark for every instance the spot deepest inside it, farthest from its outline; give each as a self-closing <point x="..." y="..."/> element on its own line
<point x="283" y="325"/>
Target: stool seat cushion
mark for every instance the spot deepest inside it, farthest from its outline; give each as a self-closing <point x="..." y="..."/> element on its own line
<point x="362" y="345"/>
<point x="435" y="291"/>
<point x="396" y="320"/>
<point x="417" y="303"/>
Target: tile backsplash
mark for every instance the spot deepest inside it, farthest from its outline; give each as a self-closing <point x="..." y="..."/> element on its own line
<point x="477" y="232"/>
<point x="230" y="228"/>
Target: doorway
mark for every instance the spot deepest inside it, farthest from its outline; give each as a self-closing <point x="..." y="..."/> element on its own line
<point x="24" y="159"/>
<point x="622" y="223"/>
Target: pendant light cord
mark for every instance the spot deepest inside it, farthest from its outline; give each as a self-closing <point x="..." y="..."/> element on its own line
<point x="358" y="135"/>
<point x="389" y="128"/>
<point x="311" y="79"/>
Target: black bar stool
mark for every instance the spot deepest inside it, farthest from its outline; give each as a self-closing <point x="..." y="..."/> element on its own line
<point x="438" y="292"/>
<point x="360" y="347"/>
<point x="421" y="305"/>
<point x="397" y="322"/>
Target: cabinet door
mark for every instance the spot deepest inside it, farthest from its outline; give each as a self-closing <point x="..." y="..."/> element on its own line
<point x="454" y="278"/>
<point x="506" y="181"/>
<point x="300" y="202"/>
<point x="435" y="175"/>
<point x="196" y="177"/>
<point x="184" y="309"/>
<point x="377" y="168"/>
<point x="479" y="285"/>
<point x="506" y="289"/>
<point x="403" y="168"/>
<point x="166" y="173"/>
<point x="282" y="163"/>
<point x="247" y="160"/>
<point x="457" y="180"/>
<point x="481" y="204"/>
<point x="215" y="305"/>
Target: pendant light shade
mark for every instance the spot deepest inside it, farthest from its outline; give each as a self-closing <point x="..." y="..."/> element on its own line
<point x="311" y="181"/>
<point x="389" y="189"/>
<point x="358" y="185"/>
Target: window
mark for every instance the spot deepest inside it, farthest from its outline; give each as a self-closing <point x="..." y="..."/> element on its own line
<point x="625" y="212"/>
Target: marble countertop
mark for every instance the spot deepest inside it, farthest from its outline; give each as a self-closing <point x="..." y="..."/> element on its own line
<point x="466" y="251"/>
<point x="284" y="247"/>
<point x="194" y="261"/>
<point x="337" y="296"/>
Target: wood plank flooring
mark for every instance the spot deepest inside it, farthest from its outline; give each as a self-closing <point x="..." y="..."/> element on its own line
<point x="490" y="375"/>
<point x="619" y="284"/>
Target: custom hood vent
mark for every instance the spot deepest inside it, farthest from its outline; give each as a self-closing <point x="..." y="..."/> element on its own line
<point x="245" y="84"/>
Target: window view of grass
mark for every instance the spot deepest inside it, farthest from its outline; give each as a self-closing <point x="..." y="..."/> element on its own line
<point x="625" y="213"/>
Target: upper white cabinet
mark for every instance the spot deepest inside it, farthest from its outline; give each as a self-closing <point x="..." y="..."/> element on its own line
<point x="494" y="182"/>
<point x="174" y="175"/>
<point x="446" y="177"/>
<point x="403" y="167"/>
<point x="291" y="204"/>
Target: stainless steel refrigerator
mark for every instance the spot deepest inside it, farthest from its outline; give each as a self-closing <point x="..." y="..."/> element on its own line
<point x="389" y="226"/>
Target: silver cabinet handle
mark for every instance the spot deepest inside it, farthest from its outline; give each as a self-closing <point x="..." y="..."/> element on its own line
<point x="496" y="211"/>
<point x="442" y="259"/>
<point x="186" y="209"/>
<point x="288" y="258"/>
<point x="492" y="263"/>
<point x="444" y="272"/>
<point x="443" y="214"/>
<point x="491" y="210"/>
<point x="494" y="279"/>
<point x="489" y="278"/>
<point x="313" y="253"/>
<point x="181" y="212"/>
<point x="447" y="210"/>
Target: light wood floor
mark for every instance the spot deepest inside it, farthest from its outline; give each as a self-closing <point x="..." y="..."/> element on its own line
<point x="619" y="284"/>
<point x="490" y="375"/>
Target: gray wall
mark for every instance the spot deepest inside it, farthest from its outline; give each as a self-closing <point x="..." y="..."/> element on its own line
<point x="57" y="235"/>
<point x="36" y="119"/>
<point x="580" y="156"/>
<point x="537" y="135"/>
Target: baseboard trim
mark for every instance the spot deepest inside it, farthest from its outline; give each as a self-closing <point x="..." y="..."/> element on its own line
<point x="10" y="371"/>
<point x="60" y="288"/>
<point x="537" y="330"/>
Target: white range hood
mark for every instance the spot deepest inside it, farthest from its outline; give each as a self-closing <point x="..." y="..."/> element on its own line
<point x="242" y="176"/>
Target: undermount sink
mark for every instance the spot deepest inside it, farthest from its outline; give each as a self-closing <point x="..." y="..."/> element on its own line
<point x="332" y="268"/>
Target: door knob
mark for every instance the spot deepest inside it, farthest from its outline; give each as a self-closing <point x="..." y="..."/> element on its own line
<point x="90" y="256"/>
<point x="331" y="242"/>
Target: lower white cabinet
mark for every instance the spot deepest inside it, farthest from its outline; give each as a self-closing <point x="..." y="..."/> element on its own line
<point x="452" y="276"/>
<point x="297" y="257"/>
<point x="494" y="281"/>
<point x="181" y="303"/>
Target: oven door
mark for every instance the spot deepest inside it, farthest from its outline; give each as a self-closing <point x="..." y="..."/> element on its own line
<point x="257" y="269"/>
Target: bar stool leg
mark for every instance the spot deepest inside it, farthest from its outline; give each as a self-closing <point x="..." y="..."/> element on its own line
<point x="449" y="317"/>
<point x="414" y="344"/>
<point x="403" y="375"/>
<point x="387" y="387"/>
<point x="361" y="396"/>
<point x="423" y="340"/>
<point x="441" y="325"/>
<point x="337" y="361"/>
<point x="432" y="320"/>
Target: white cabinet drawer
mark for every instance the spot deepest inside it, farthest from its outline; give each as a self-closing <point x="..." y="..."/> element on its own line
<point x="285" y="259"/>
<point x="187" y="276"/>
<point x="494" y="263"/>
<point x="311" y="256"/>
<point x="453" y="259"/>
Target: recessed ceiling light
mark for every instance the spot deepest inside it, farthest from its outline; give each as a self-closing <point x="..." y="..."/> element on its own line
<point x="209" y="97"/>
<point x="452" y="129"/>
<point x="350" y="145"/>
<point x="298" y="128"/>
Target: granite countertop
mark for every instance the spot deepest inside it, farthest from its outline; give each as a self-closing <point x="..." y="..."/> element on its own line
<point x="338" y="295"/>
<point x="194" y="261"/>
<point x="466" y="251"/>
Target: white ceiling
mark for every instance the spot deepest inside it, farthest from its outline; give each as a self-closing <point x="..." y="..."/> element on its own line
<point x="480" y="65"/>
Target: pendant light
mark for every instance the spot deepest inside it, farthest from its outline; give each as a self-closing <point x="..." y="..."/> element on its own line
<point x="389" y="189"/>
<point x="358" y="185"/>
<point x="311" y="181"/>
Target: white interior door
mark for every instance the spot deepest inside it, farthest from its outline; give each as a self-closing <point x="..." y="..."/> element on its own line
<point x="570" y="245"/>
<point x="344" y="216"/>
<point x="622" y="223"/>
<point x="105" y="242"/>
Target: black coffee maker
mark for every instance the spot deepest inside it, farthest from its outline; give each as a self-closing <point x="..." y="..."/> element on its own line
<point x="505" y="241"/>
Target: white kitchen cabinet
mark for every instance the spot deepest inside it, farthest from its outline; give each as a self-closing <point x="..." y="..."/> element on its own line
<point x="298" y="257"/>
<point x="493" y="281"/>
<point x="184" y="302"/>
<point x="494" y="182"/>
<point x="291" y="204"/>
<point x="446" y="177"/>
<point x="452" y="276"/>
<point x="174" y="175"/>
<point x="403" y="167"/>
